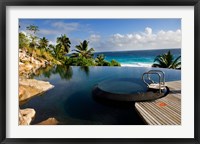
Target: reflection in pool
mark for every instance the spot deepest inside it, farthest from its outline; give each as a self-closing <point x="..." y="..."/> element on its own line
<point x="71" y="100"/>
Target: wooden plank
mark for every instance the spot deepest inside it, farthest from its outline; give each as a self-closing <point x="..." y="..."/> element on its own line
<point x="163" y="111"/>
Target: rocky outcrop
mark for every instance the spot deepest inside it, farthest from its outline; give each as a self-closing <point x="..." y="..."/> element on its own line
<point x="26" y="116"/>
<point x="29" y="64"/>
<point x="49" y="121"/>
<point x="30" y="87"/>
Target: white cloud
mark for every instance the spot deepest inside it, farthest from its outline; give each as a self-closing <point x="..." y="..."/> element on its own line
<point x="138" y="37"/>
<point x="66" y="26"/>
<point x="142" y="40"/>
<point x="48" y="32"/>
<point x="148" y="30"/>
<point x="94" y="38"/>
<point x="58" y="28"/>
<point x="118" y="36"/>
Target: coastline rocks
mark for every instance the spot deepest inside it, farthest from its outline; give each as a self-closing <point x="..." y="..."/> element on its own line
<point x="49" y="121"/>
<point x="29" y="64"/>
<point x="28" y="88"/>
<point x="31" y="87"/>
<point x="25" y="69"/>
<point x="26" y="116"/>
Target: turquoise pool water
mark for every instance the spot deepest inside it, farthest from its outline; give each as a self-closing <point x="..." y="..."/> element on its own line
<point x="71" y="101"/>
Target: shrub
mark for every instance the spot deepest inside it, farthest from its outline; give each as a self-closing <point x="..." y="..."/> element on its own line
<point x="114" y="63"/>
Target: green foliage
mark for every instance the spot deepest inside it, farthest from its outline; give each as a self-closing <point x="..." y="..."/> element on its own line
<point x="114" y="63"/>
<point x="47" y="56"/>
<point x="82" y="50"/>
<point x="33" y="42"/>
<point x="39" y="47"/>
<point x="23" y="41"/>
<point x="64" y="44"/>
<point x="54" y="50"/>
<point x="41" y="54"/>
<point x="43" y="43"/>
<point x="100" y="61"/>
<point x="60" y="49"/>
<point x="32" y="28"/>
<point x="29" y="50"/>
<point x="167" y="61"/>
<point x="37" y="52"/>
<point x="80" y="61"/>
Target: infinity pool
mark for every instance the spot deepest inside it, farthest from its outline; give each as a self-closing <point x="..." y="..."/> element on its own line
<point x="71" y="101"/>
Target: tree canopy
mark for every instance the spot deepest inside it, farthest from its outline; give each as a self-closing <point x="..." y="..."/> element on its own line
<point x="82" y="54"/>
<point x="167" y="60"/>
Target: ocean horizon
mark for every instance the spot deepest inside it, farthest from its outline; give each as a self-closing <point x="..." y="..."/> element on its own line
<point x="137" y="58"/>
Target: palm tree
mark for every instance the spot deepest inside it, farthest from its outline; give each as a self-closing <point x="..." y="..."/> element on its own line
<point x="64" y="43"/>
<point x="55" y="50"/>
<point x="100" y="60"/>
<point x="50" y="48"/>
<point x="33" y="42"/>
<point x="43" y="43"/>
<point x="83" y="50"/>
<point x="167" y="61"/>
<point x="32" y="28"/>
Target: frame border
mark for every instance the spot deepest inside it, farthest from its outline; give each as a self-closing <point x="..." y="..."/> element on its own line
<point x="4" y="3"/>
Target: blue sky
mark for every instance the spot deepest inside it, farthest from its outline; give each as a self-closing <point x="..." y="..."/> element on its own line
<point x="111" y="34"/>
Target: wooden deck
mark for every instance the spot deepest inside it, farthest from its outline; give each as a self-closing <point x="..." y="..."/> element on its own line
<point x="163" y="111"/>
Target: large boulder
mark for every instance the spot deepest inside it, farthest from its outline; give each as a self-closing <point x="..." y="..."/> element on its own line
<point x="31" y="87"/>
<point x="49" y="121"/>
<point x="26" y="116"/>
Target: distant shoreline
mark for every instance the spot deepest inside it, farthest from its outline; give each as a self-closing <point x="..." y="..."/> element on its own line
<point x="139" y="58"/>
<point x="137" y="50"/>
<point x="136" y="65"/>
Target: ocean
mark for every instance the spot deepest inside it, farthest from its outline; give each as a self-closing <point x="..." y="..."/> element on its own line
<point x="139" y="58"/>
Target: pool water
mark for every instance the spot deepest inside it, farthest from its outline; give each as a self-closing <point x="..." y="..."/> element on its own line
<point x="127" y="89"/>
<point x="71" y="101"/>
<point x="123" y="86"/>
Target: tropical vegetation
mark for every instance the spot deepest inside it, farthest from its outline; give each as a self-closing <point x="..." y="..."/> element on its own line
<point x="167" y="60"/>
<point x="81" y="55"/>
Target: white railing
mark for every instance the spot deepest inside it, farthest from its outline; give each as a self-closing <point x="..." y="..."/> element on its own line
<point x="153" y="84"/>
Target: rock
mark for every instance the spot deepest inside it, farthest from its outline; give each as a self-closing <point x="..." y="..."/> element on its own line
<point x="25" y="70"/>
<point x="22" y="54"/>
<point x="40" y="85"/>
<point x="20" y="63"/>
<point x="29" y="88"/>
<point x="22" y="91"/>
<point x="29" y="64"/>
<point x="26" y="116"/>
<point x="49" y="121"/>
